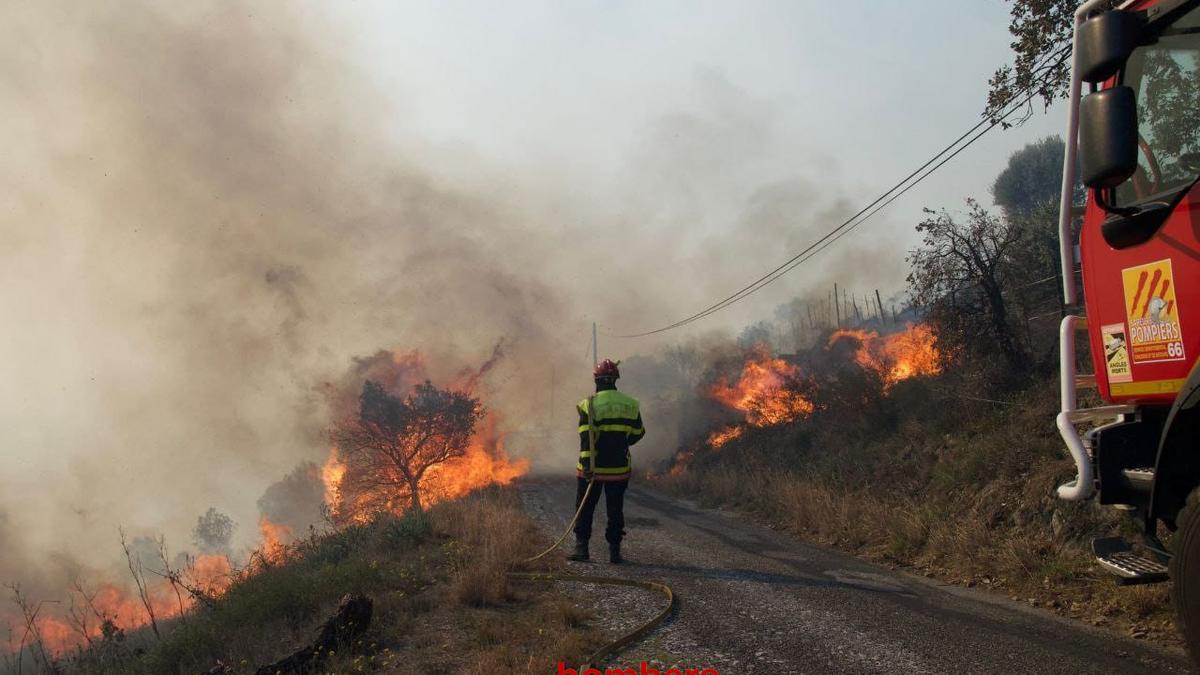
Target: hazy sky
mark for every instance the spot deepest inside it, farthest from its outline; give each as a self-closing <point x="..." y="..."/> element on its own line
<point x="854" y="94"/>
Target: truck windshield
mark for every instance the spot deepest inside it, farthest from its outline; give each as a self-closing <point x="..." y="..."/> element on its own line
<point x="1166" y="76"/>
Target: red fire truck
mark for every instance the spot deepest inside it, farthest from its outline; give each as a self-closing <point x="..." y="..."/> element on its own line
<point x="1133" y="139"/>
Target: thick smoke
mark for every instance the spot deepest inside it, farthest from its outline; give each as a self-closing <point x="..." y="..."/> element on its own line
<point x="209" y="213"/>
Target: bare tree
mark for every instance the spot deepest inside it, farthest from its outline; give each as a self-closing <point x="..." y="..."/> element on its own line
<point x="98" y="629"/>
<point x="12" y="655"/>
<point x="31" y="636"/>
<point x="959" y="275"/>
<point x="393" y="441"/>
<point x="172" y="576"/>
<point x="139" y="579"/>
<point x="81" y="611"/>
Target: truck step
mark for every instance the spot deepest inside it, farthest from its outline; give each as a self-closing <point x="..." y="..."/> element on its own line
<point x="1144" y="474"/>
<point x="1116" y="555"/>
<point x="1137" y="483"/>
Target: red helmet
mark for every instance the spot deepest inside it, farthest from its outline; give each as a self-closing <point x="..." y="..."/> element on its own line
<point x="606" y="368"/>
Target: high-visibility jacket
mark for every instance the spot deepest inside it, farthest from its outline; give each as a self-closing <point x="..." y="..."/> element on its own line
<point x="618" y="422"/>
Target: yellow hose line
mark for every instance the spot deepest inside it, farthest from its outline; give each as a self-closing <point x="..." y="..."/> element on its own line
<point x="623" y="641"/>
<point x="570" y="526"/>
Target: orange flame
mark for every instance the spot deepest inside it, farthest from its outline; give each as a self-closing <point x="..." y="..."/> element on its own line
<point x="763" y="392"/>
<point x="484" y="463"/>
<point x="212" y="573"/>
<point x="274" y="539"/>
<point x="910" y="353"/>
<point x="332" y="473"/>
<point x="718" y="438"/>
<point x="112" y="602"/>
<point x="683" y="459"/>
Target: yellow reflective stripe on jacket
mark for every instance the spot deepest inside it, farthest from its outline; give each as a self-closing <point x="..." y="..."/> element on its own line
<point x="623" y="428"/>
<point x="587" y="453"/>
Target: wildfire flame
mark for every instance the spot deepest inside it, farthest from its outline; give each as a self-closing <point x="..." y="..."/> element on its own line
<point x="910" y="353"/>
<point x="109" y="601"/>
<point x="762" y="391"/>
<point x="718" y="438"/>
<point x="484" y="463"/>
<point x="212" y="573"/>
<point x="332" y="473"/>
<point x="275" y="537"/>
<point x="683" y="458"/>
<point x="765" y="391"/>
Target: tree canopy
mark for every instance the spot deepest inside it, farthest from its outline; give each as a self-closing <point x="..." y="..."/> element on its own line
<point x="1032" y="178"/>
<point x="1041" y="31"/>
<point x="213" y="532"/>
<point x="390" y="445"/>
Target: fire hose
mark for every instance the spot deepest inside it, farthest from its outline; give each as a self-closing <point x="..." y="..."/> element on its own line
<point x="623" y="641"/>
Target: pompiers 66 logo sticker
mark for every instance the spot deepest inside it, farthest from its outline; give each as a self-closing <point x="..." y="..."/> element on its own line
<point x="1153" y="314"/>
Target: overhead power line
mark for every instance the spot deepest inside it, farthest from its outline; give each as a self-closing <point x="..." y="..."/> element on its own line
<point x="882" y="201"/>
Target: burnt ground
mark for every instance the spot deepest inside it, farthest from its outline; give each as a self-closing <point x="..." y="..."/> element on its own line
<point x="752" y="600"/>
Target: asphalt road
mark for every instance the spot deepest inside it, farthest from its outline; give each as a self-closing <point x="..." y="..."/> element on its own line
<point x="752" y="600"/>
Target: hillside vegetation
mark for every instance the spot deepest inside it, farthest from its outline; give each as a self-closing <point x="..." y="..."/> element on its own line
<point x="441" y="604"/>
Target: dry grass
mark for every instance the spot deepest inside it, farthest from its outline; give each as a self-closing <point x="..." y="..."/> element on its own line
<point x="476" y="620"/>
<point x="488" y="536"/>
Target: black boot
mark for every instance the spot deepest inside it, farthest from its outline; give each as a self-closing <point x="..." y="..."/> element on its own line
<point x="614" y="553"/>
<point x="581" y="552"/>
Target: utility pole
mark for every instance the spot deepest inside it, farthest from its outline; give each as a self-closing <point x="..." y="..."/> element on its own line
<point x="837" y="304"/>
<point x="595" y="355"/>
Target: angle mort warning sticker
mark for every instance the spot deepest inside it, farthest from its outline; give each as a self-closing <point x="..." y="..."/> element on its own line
<point x="1116" y="353"/>
<point x="1152" y="313"/>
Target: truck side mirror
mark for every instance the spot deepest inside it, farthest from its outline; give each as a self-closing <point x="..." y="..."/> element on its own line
<point x="1105" y="42"/>
<point x="1108" y="138"/>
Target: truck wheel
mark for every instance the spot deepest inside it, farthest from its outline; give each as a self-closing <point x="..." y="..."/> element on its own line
<point x="1185" y="574"/>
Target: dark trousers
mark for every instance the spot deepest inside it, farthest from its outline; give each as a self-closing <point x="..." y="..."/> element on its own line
<point x="614" y="503"/>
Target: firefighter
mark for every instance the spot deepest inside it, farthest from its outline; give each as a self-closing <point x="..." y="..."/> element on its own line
<point x="616" y="422"/>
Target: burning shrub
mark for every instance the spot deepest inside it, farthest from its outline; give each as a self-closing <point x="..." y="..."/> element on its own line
<point x="766" y="391"/>
<point x="910" y="353"/>
<point x="843" y="378"/>
<point x="393" y="442"/>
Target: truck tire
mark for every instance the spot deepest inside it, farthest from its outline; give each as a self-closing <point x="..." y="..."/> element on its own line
<point x="1185" y="574"/>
